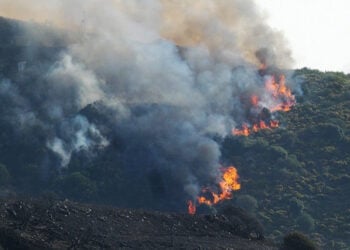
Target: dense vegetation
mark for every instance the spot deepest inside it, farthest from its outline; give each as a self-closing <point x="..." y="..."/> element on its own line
<point x="295" y="177"/>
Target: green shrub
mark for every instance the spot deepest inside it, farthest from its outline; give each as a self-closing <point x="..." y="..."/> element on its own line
<point x="306" y="222"/>
<point x="278" y="152"/>
<point x="323" y="132"/>
<point x="298" y="241"/>
<point x="77" y="186"/>
<point x="292" y="162"/>
<point x="247" y="202"/>
<point x="296" y="206"/>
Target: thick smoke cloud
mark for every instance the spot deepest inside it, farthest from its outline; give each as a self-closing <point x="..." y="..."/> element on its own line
<point x="171" y="72"/>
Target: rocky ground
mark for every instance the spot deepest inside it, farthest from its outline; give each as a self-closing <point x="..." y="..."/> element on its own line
<point x="52" y="224"/>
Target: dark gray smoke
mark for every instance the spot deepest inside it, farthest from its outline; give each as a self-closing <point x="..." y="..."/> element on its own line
<point x="171" y="74"/>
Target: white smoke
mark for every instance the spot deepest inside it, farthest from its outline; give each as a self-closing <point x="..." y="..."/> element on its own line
<point x="193" y="59"/>
<point x="78" y="134"/>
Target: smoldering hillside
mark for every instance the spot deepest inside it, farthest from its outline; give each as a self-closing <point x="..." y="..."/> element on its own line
<point x="128" y="101"/>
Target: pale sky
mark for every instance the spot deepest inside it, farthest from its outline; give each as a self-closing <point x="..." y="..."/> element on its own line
<point x="318" y="31"/>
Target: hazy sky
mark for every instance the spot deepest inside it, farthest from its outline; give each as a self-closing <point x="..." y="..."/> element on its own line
<point x="318" y="31"/>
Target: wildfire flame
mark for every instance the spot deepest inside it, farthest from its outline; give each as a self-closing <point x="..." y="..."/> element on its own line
<point x="283" y="100"/>
<point x="246" y="130"/>
<point x="254" y="100"/>
<point x="274" y="124"/>
<point x="281" y="92"/>
<point x="191" y="207"/>
<point x="229" y="182"/>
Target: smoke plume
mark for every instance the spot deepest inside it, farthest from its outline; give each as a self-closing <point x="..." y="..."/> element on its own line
<point x="170" y="73"/>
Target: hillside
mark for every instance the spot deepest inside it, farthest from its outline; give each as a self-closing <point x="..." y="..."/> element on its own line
<point x="49" y="224"/>
<point x="54" y="139"/>
<point x="297" y="176"/>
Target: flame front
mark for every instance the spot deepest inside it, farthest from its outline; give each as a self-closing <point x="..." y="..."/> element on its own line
<point x="275" y="97"/>
<point x="274" y="124"/>
<point x="245" y="131"/>
<point x="254" y="99"/>
<point x="282" y="100"/>
<point x="280" y="92"/>
<point x="191" y="207"/>
<point x="228" y="184"/>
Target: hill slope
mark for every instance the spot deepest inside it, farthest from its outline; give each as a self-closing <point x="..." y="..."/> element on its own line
<point x="293" y="177"/>
<point x="43" y="224"/>
<point x="299" y="173"/>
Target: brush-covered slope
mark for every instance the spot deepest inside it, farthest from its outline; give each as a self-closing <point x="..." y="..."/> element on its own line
<point x="297" y="177"/>
<point x="49" y="224"/>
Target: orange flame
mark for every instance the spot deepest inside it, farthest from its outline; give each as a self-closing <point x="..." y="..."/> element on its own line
<point x="255" y="128"/>
<point x="244" y="131"/>
<point x="254" y="100"/>
<point x="229" y="182"/>
<point x="274" y="124"/>
<point x="284" y="101"/>
<point x="262" y="125"/>
<point x="280" y="92"/>
<point x="191" y="207"/>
